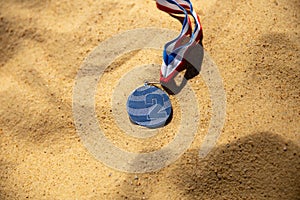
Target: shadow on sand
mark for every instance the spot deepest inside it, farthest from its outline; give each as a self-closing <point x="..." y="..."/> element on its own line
<point x="259" y="166"/>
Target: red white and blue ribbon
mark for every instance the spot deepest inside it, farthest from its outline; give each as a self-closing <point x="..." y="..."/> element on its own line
<point x="176" y="50"/>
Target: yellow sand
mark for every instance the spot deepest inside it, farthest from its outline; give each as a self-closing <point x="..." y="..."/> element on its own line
<point x="254" y="43"/>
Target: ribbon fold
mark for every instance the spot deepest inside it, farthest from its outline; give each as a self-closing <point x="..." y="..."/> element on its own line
<point x="176" y="50"/>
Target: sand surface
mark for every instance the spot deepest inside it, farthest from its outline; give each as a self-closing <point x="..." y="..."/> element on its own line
<point x="255" y="45"/>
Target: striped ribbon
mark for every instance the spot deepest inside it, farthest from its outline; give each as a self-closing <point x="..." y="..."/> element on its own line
<point x="176" y="50"/>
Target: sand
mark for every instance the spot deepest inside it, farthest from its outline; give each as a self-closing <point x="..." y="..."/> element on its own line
<point x="255" y="45"/>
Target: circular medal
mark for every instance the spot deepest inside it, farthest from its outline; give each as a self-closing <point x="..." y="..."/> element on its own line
<point x="149" y="106"/>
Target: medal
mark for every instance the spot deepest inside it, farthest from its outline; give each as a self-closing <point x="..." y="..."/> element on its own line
<point x="148" y="105"/>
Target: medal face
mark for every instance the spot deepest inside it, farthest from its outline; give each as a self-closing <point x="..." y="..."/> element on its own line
<point x="149" y="106"/>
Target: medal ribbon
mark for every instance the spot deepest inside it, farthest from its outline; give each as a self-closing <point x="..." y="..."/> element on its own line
<point x="176" y="50"/>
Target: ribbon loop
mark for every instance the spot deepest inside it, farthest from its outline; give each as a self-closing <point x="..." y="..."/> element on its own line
<point x="176" y="50"/>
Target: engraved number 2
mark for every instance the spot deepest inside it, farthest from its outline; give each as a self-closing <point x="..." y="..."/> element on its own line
<point x="158" y="101"/>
